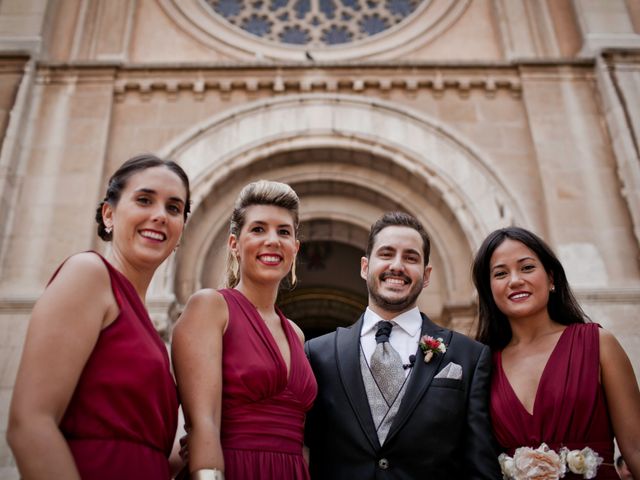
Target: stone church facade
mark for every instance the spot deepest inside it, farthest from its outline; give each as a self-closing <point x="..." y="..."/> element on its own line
<point x="469" y="114"/>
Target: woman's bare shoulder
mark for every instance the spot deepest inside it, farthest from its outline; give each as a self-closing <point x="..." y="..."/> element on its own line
<point x="204" y="307"/>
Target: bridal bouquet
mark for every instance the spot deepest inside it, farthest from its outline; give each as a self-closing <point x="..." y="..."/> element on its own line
<point x="543" y="463"/>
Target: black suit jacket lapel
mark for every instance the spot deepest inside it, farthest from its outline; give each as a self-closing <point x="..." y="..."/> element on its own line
<point x="421" y="376"/>
<point x="348" y="359"/>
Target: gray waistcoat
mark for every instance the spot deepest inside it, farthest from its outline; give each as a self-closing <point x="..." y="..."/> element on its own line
<point x="382" y="413"/>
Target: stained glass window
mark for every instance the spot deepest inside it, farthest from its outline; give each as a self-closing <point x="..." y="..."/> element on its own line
<point x="314" y="22"/>
<point x="257" y="25"/>
<point x="229" y="8"/>
<point x="373" y="24"/>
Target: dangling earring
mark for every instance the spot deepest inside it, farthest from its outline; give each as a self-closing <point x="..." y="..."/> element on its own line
<point x="175" y="249"/>
<point x="294" y="279"/>
<point x="108" y="230"/>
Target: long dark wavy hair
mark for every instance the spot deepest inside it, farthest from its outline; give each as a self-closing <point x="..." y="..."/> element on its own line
<point x="493" y="327"/>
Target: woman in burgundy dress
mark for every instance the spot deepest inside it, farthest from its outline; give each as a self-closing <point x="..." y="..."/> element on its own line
<point x="558" y="379"/>
<point x="244" y="380"/>
<point x="94" y="397"/>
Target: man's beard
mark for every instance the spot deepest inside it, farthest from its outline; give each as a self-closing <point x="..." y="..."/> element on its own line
<point x="395" y="305"/>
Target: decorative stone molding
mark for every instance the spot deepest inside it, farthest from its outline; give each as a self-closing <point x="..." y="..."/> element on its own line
<point x="342" y="78"/>
<point x="17" y="304"/>
<point x="198" y="79"/>
<point x="629" y="296"/>
<point x="30" y="44"/>
<point x="77" y="72"/>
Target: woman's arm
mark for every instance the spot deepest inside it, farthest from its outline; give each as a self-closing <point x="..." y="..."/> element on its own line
<point x="64" y="327"/>
<point x="196" y="349"/>
<point x="623" y="399"/>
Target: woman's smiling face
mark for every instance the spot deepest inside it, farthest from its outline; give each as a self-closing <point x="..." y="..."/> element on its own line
<point x="148" y="219"/>
<point x="267" y="244"/>
<point x="519" y="282"/>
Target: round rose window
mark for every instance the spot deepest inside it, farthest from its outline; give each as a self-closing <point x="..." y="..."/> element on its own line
<point x="314" y="22"/>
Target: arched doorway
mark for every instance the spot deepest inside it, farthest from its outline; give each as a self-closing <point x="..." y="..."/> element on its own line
<point x="340" y="199"/>
<point x="350" y="159"/>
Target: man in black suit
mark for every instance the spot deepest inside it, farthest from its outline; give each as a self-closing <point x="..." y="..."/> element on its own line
<point x="432" y="421"/>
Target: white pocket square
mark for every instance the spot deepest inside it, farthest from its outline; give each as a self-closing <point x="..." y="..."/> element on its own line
<point x="452" y="371"/>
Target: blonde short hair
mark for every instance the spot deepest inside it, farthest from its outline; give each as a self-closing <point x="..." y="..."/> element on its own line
<point x="262" y="192"/>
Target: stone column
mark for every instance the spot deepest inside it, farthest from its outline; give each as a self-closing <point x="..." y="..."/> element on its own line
<point x="618" y="76"/>
<point x="105" y="30"/>
<point x="577" y="170"/>
<point x="526" y="29"/>
<point x="61" y="174"/>
<point x="16" y="85"/>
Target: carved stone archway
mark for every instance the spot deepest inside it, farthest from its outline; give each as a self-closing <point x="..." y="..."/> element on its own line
<point x="350" y="159"/>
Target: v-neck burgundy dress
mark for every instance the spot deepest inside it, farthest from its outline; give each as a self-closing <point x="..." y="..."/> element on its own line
<point x="263" y="411"/>
<point x="122" y="417"/>
<point x="570" y="407"/>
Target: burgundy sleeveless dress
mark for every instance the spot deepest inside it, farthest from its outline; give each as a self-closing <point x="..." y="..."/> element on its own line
<point x="263" y="411"/>
<point x="570" y="407"/>
<point x="122" y="417"/>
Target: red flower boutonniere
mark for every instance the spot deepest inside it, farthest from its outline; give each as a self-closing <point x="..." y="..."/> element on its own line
<point x="431" y="346"/>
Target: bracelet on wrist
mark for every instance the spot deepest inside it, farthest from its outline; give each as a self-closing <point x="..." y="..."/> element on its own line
<point x="207" y="474"/>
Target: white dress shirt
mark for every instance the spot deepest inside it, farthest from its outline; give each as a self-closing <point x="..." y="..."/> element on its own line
<point x="404" y="337"/>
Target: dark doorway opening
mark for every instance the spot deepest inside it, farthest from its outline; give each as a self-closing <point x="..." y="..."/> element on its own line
<point x="330" y="292"/>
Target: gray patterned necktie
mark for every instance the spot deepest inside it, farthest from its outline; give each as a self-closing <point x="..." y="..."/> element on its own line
<point x="386" y="364"/>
